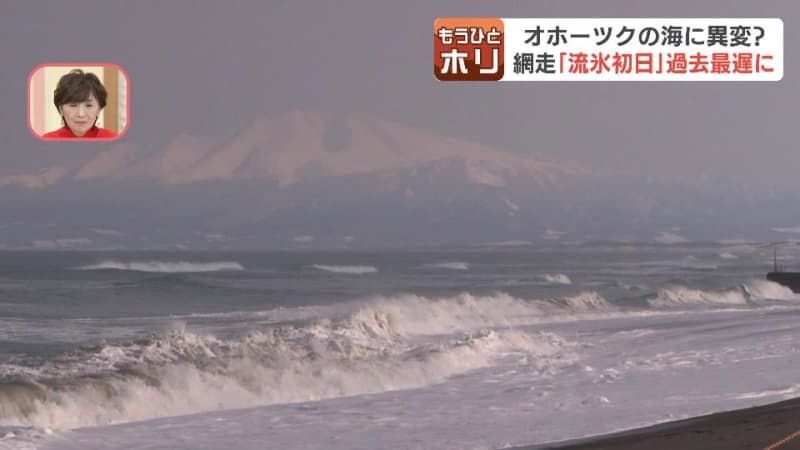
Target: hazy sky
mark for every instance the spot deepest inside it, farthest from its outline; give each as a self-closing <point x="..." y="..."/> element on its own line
<point x="210" y="68"/>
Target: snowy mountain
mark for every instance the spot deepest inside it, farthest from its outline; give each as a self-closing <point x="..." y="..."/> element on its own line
<point x="319" y="180"/>
<point x="298" y="147"/>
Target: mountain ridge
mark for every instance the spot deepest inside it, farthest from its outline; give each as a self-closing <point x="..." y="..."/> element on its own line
<point x="294" y="147"/>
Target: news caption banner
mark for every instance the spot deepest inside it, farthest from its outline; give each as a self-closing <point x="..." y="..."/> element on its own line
<point x="600" y="49"/>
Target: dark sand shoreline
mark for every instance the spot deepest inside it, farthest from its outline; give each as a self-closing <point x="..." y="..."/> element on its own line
<point x="750" y="428"/>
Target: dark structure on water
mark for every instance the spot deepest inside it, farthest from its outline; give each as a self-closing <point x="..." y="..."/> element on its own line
<point x="788" y="279"/>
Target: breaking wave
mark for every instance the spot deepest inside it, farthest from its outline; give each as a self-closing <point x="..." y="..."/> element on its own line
<point x="451" y="265"/>
<point x="754" y="292"/>
<point x="378" y="344"/>
<point x="166" y="266"/>
<point x="181" y="372"/>
<point x="679" y="296"/>
<point x="700" y="267"/>
<point x="355" y="270"/>
<point x="587" y="301"/>
<point x="418" y="315"/>
<point x="768" y="290"/>
<point x="558" y="278"/>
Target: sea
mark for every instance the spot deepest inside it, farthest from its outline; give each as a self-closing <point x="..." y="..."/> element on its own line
<point x="487" y="347"/>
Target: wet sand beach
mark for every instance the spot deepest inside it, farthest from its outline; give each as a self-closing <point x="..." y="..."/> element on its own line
<point x="774" y="426"/>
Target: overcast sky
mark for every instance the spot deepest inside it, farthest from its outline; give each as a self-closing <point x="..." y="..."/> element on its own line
<point x="210" y="68"/>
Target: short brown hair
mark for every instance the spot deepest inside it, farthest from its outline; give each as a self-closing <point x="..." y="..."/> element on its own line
<point x="76" y="86"/>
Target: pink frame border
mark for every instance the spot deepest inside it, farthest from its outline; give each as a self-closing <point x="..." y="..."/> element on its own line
<point x="78" y="64"/>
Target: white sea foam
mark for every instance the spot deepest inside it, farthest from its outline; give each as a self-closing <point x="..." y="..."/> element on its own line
<point x="386" y="343"/>
<point x="558" y="278"/>
<point x="788" y="392"/>
<point x="181" y="372"/>
<point x="632" y="371"/>
<point x="452" y="265"/>
<point x="354" y="270"/>
<point x="768" y="290"/>
<point x="700" y="266"/>
<point x="166" y="266"/>
<point x="728" y="255"/>
<point x="412" y="314"/>
<point x="680" y="296"/>
<point x="587" y="301"/>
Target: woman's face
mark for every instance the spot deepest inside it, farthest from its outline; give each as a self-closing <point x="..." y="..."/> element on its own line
<point x="80" y="117"/>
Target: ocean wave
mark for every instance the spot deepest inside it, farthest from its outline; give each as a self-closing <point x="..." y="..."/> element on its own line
<point x="181" y="372"/>
<point x="354" y="270"/>
<point x="419" y="315"/>
<point x="558" y="278"/>
<point x="587" y="301"/>
<point x="451" y="265"/>
<point x="413" y="314"/>
<point x="680" y="296"/>
<point x="376" y="344"/>
<point x="753" y="292"/>
<point x="631" y="286"/>
<point x="416" y="314"/>
<point x="165" y="266"/>
<point x="700" y="267"/>
<point x="769" y="290"/>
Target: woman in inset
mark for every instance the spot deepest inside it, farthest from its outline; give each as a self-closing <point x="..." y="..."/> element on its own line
<point x="79" y="98"/>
